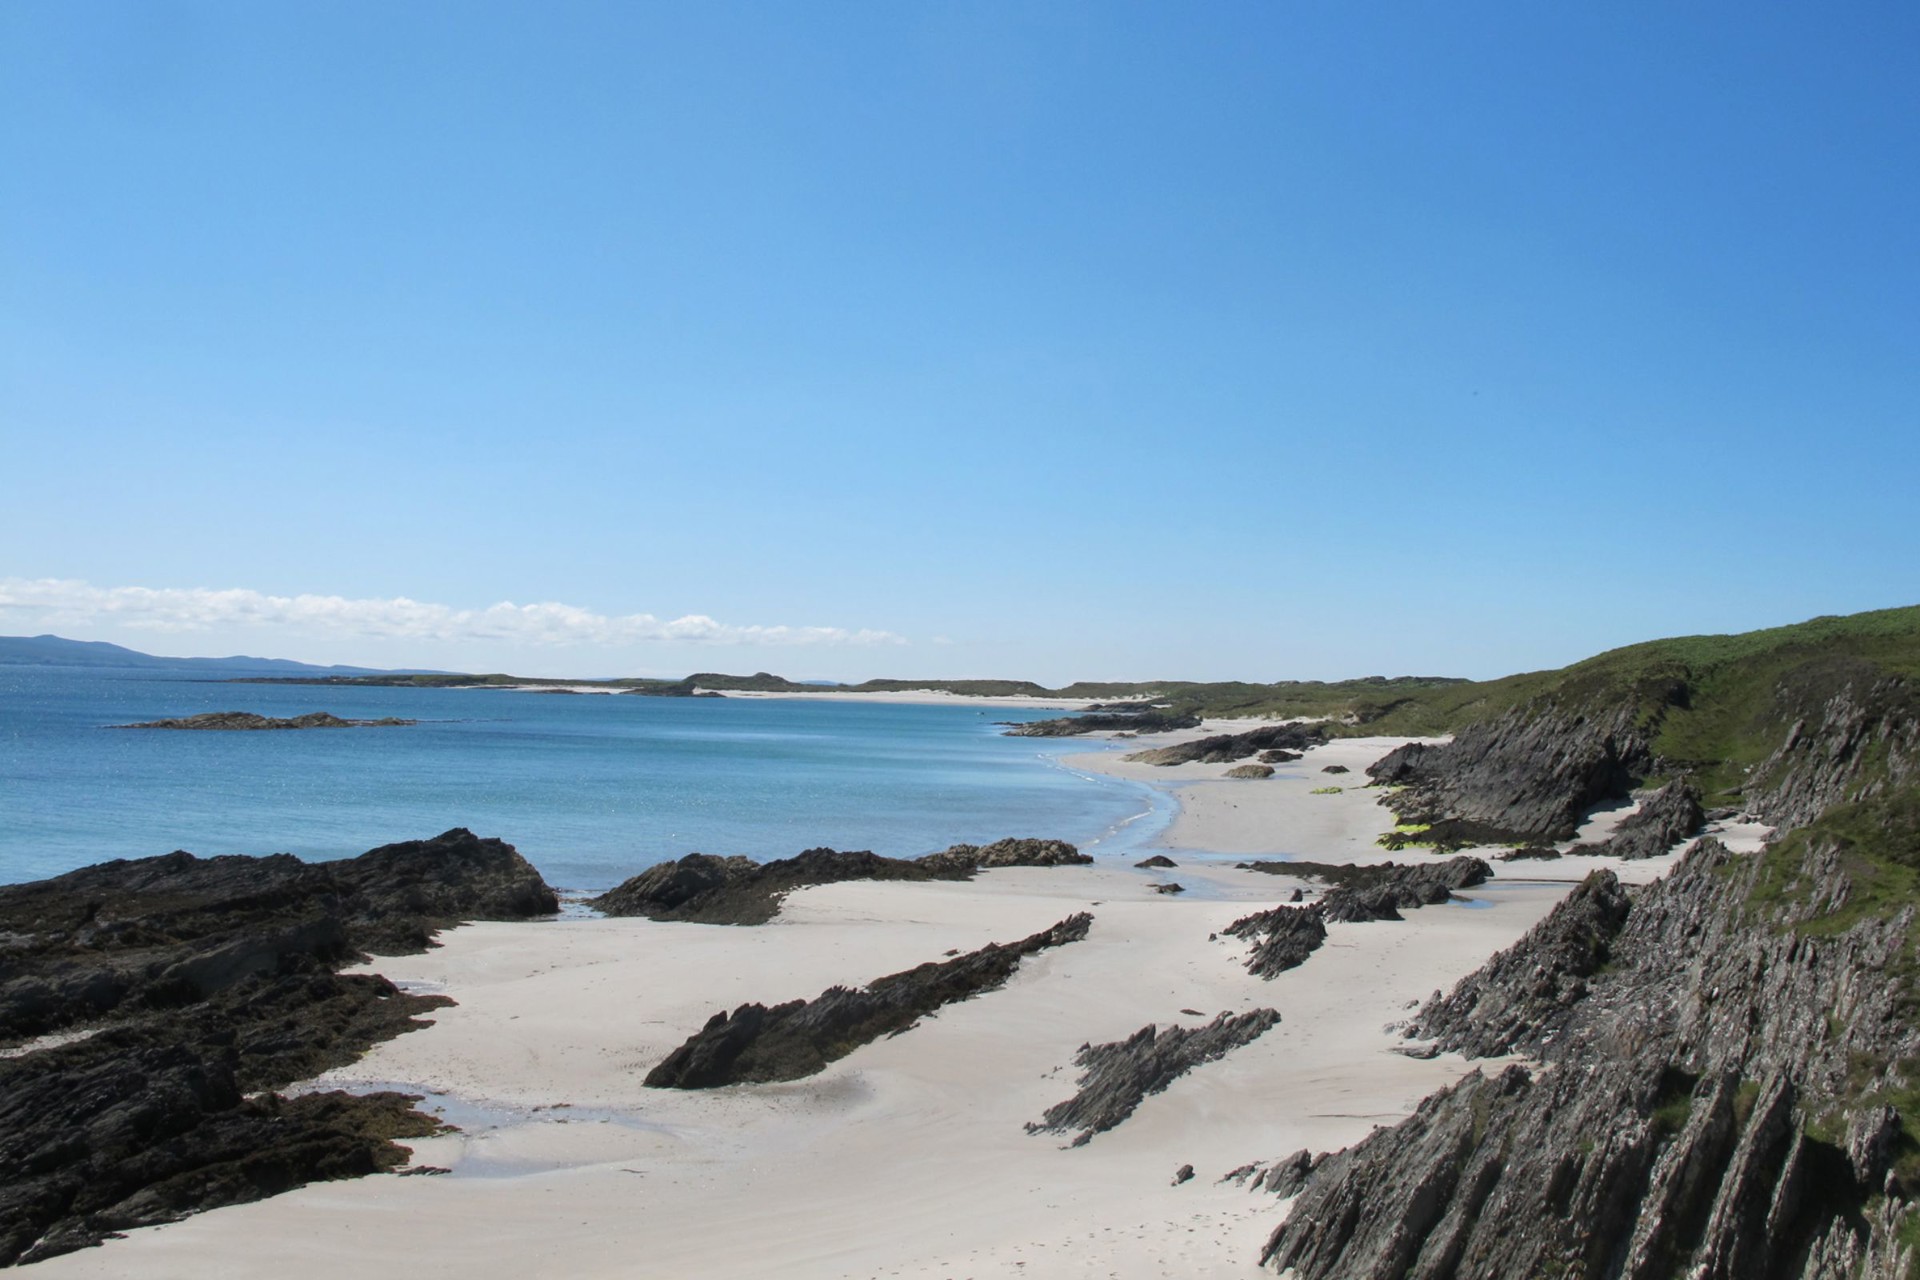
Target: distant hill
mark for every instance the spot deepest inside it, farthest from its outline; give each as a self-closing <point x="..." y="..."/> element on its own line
<point x="57" y="651"/>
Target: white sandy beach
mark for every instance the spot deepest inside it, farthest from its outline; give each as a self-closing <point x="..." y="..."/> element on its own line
<point x="907" y="1158"/>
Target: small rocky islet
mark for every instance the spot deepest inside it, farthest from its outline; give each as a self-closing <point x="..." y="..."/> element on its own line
<point x="249" y="721"/>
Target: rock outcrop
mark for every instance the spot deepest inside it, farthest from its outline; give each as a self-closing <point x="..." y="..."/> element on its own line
<point x="1525" y="777"/>
<point x="1249" y="771"/>
<point x="703" y="889"/>
<point x="151" y="1006"/>
<point x="1225" y="748"/>
<point x="800" y="1038"/>
<point x="1103" y="722"/>
<point x="1283" y="937"/>
<point x="1117" y="1077"/>
<point x="1712" y="1053"/>
<point x="245" y="720"/>
<point x="1662" y="821"/>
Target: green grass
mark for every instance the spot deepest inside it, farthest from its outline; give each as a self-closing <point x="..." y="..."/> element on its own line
<point x="1326" y="791"/>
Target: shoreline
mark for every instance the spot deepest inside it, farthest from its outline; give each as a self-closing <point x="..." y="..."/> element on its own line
<point x="909" y="1157"/>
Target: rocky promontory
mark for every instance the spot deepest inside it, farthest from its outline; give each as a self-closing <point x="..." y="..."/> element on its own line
<point x="701" y="888"/>
<point x="149" y="1008"/>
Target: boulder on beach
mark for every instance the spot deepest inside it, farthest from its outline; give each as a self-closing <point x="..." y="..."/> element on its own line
<point x="1249" y="771"/>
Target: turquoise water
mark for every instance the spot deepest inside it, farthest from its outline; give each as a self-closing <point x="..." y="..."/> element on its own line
<point x="591" y="788"/>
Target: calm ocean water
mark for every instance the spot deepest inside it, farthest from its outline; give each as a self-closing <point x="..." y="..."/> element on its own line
<point x="590" y="788"/>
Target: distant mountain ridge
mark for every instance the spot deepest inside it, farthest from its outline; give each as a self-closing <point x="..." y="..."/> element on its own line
<point x="58" y="651"/>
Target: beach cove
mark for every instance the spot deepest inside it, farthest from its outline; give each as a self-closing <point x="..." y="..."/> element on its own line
<point x="910" y="1156"/>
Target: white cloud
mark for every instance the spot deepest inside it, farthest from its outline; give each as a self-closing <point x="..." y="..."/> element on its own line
<point x="64" y="601"/>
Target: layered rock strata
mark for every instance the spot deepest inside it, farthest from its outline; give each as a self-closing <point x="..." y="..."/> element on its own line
<point x="758" y="1044"/>
<point x="1709" y="1053"/>
<point x="1117" y="1077"/>
<point x="1523" y="777"/>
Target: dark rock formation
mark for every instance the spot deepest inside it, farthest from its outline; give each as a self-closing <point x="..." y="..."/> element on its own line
<point x="1857" y="738"/>
<point x="1170" y="887"/>
<point x="1277" y="756"/>
<point x="187" y="989"/>
<point x="249" y="720"/>
<point x="1519" y="995"/>
<point x="799" y="1038"/>
<point x="1250" y="771"/>
<point x="1158" y="860"/>
<point x="1117" y="1077"/>
<point x="1705" y="1042"/>
<point x="1102" y="722"/>
<point x="1283" y="937"/>
<point x="965" y="859"/>
<point x="704" y="889"/>
<point x="1534" y="852"/>
<point x="1183" y="1174"/>
<point x="1335" y="768"/>
<point x="1525" y="777"/>
<point x="1663" y="820"/>
<point x="1225" y="748"/>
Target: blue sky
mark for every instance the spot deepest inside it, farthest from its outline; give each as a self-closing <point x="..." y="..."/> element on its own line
<point x="1053" y="341"/>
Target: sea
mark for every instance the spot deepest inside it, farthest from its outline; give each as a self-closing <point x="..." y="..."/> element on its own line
<point x="591" y="788"/>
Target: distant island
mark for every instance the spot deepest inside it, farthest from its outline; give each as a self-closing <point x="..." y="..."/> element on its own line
<point x="58" y="651"/>
<point x="247" y="720"/>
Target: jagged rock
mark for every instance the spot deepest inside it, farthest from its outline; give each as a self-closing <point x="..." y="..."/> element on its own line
<point x="1287" y="1177"/>
<point x="214" y="981"/>
<point x="799" y="1038"/>
<point x="1527" y="776"/>
<point x="704" y="889"/>
<point x="1183" y="1174"/>
<point x="1169" y="887"/>
<point x="1663" y="820"/>
<point x="1858" y="736"/>
<point x="246" y="720"/>
<point x="1227" y="747"/>
<point x="1159" y="860"/>
<point x="1275" y="755"/>
<point x="1688" y="1047"/>
<point x="1298" y="895"/>
<point x="1508" y="1004"/>
<point x="1249" y="771"/>
<point x="1532" y="852"/>
<point x="1284" y="937"/>
<point x="1117" y="1077"/>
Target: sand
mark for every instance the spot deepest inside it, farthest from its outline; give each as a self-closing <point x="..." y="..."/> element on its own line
<point x="909" y="1157"/>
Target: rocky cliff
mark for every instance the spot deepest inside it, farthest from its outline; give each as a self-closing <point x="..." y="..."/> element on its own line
<point x="1722" y="1069"/>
